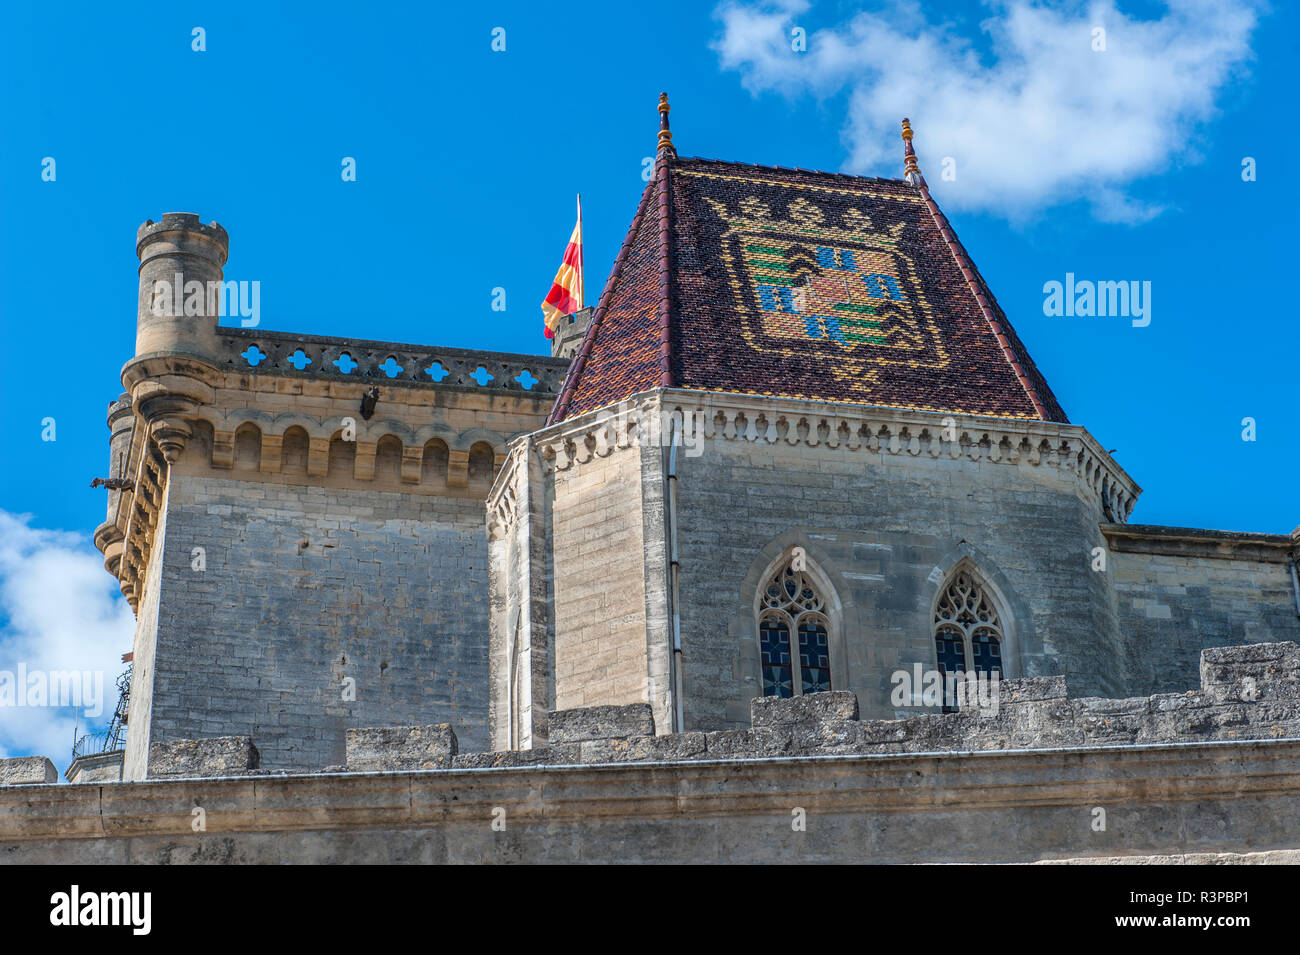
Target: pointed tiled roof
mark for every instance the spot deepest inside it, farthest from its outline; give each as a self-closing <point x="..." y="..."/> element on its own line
<point x="800" y="284"/>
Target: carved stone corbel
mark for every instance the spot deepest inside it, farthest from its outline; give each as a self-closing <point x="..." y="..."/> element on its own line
<point x="457" y="468"/>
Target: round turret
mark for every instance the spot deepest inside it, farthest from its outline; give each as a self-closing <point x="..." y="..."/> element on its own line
<point x="181" y="263"/>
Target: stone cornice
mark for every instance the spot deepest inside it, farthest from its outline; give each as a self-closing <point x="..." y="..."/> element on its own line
<point x="129" y="538"/>
<point x="1199" y="542"/>
<point x="893" y="432"/>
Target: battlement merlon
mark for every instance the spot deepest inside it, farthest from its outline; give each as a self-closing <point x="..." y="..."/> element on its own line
<point x="181" y="222"/>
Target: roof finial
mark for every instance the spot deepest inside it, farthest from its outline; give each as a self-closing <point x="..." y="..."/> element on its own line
<point x="911" y="171"/>
<point x="665" y="137"/>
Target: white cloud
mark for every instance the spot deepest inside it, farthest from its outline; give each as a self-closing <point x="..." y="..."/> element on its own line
<point x="1038" y="119"/>
<point x="60" y="611"/>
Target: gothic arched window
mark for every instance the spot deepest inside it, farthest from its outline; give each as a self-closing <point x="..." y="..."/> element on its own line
<point x="967" y="631"/>
<point x="793" y="635"/>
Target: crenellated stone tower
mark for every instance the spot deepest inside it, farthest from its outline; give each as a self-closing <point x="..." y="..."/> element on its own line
<point x="298" y="520"/>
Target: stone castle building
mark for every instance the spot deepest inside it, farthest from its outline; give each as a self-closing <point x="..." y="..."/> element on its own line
<point x="796" y="448"/>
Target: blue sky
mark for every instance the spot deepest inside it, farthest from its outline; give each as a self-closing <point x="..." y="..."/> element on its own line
<point x="1115" y="164"/>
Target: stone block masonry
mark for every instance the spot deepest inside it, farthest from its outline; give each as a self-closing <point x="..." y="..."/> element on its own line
<point x="599" y="584"/>
<point x="815" y="707"/>
<point x="1179" y="590"/>
<point x="96" y="768"/>
<point x="601" y="722"/>
<point x="1232" y="801"/>
<point x="400" y="747"/>
<point x="888" y="506"/>
<point x="315" y="610"/>
<point x="222" y="756"/>
<point x="885" y="534"/>
<point x="26" y="770"/>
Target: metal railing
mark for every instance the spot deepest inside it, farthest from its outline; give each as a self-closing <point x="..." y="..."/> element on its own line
<point x="113" y="738"/>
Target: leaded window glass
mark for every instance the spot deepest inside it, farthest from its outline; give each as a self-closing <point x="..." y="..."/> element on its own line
<point x="774" y="638"/>
<point x="814" y="656"/>
<point x="967" y="632"/>
<point x="792" y="604"/>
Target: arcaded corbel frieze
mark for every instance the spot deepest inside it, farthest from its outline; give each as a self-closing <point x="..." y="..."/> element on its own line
<point x="896" y="433"/>
<point x="170" y="433"/>
<point x="110" y="542"/>
<point x="598" y="434"/>
<point x="502" y="506"/>
<point x="899" y="432"/>
<point x="502" y="514"/>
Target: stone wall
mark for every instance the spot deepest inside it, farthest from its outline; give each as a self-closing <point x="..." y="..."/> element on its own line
<point x="148" y="629"/>
<point x="599" y="589"/>
<point x="1182" y="589"/>
<point x="579" y="582"/>
<point x="302" y="588"/>
<point x="885" y="531"/>
<point x="887" y="504"/>
<point x="1230" y="801"/>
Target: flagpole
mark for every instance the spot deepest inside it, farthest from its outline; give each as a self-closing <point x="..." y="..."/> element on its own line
<point x="582" y="274"/>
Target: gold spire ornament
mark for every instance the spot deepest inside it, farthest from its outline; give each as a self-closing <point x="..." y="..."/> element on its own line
<point x="911" y="171"/>
<point x="665" y="136"/>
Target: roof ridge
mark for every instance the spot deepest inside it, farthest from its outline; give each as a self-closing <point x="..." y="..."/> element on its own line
<point x="1034" y="376"/>
<point x="799" y="169"/>
<point x="980" y="290"/>
<point x="664" y="212"/>
<point x="561" y="405"/>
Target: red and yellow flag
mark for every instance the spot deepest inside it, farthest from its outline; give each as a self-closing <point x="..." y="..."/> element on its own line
<point x="566" y="290"/>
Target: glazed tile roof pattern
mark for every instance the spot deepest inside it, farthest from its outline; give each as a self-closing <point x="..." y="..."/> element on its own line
<point x="785" y="282"/>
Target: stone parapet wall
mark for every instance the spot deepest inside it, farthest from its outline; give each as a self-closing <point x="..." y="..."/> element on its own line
<point x="1224" y="801"/>
<point x="1250" y="692"/>
<point x="1247" y="693"/>
<point x="1207" y="776"/>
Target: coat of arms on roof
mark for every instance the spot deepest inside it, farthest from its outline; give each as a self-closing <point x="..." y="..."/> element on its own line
<point x="821" y="278"/>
